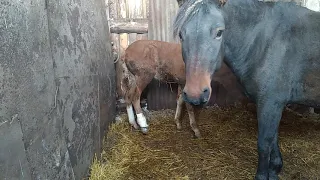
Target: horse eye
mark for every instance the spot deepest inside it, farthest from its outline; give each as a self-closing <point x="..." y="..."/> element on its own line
<point x="219" y="34"/>
<point x="180" y="36"/>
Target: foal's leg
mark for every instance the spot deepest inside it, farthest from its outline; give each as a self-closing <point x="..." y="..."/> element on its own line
<point x="269" y="115"/>
<point x="193" y="122"/>
<point x="311" y="111"/>
<point x="141" y="119"/>
<point x="179" y="109"/>
<point x="131" y="118"/>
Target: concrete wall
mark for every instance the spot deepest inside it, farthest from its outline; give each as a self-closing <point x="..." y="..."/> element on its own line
<point x="56" y="87"/>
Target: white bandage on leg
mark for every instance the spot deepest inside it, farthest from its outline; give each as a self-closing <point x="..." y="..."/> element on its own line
<point x="131" y="116"/>
<point x="142" y="121"/>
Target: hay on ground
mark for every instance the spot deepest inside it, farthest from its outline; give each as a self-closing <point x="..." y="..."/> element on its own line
<point x="227" y="149"/>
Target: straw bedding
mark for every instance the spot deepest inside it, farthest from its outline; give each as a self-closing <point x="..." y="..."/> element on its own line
<point x="227" y="149"/>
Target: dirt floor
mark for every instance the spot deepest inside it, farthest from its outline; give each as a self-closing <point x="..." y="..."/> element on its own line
<point x="227" y="149"/>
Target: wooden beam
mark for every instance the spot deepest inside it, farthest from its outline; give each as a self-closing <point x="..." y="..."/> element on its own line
<point x="139" y="26"/>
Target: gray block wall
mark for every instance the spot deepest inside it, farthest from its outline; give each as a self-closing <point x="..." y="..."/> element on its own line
<point x="57" y="87"/>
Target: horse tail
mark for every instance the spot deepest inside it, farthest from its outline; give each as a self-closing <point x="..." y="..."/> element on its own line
<point x="128" y="83"/>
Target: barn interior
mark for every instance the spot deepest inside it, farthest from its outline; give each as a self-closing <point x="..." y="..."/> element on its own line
<point x="227" y="148"/>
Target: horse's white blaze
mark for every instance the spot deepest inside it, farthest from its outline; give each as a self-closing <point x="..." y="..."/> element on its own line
<point x="142" y="121"/>
<point x="130" y="114"/>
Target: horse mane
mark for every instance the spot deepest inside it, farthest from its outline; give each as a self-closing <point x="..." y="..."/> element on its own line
<point x="188" y="10"/>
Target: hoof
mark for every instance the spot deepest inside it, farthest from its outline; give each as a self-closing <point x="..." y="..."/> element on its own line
<point x="134" y="127"/>
<point x="179" y="127"/>
<point x="144" y="130"/>
<point x="273" y="176"/>
<point x="261" y="177"/>
<point x="197" y="135"/>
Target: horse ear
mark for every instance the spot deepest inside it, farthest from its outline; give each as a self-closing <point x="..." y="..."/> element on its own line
<point x="222" y="2"/>
<point x="180" y="2"/>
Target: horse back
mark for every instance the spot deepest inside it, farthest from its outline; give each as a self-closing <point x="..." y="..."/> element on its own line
<point x="162" y="60"/>
<point x="283" y="56"/>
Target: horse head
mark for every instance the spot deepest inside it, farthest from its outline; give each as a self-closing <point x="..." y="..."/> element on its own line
<point x="199" y="24"/>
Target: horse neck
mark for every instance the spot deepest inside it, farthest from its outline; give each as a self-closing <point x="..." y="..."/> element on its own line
<point x="240" y="35"/>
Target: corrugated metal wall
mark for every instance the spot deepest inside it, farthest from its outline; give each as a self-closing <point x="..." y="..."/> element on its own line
<point x="161" y="16"/>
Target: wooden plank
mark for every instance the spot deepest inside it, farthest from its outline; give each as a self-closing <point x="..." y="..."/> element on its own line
<point x="145" y="36"/>
<point x="142" y="36"/>
<point x="113" y="6"/>
<point x="129" y="20"/>
<point x="127" y="25"/>
<point x="145" y="8"/>
<point x="116" y="44"/>
<point x="128" y="28"/>
<point x="122" y="11"/>
<point x="123" y="42"/>
<point x="132" y="38"/>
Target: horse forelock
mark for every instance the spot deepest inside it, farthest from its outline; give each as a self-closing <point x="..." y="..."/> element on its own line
<point x="189" y="9"/>
<point x="185" y="12"/>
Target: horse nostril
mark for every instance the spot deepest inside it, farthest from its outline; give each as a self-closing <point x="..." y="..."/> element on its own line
<point x="206" y="90"/>
<point x="205" y="95"/>
<point x="184" y="93"/>
<point x="185" y="96"/>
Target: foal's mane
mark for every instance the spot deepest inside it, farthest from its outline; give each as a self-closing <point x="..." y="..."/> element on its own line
<point x="188" y="10"/>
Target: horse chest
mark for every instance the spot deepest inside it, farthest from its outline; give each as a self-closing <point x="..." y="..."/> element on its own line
<point x="311" y="86"/>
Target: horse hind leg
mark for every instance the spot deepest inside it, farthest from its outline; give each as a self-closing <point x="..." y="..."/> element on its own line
<point x="141" y="119"/>
<point x="131" y="117"/>
<point x="193" y="122"/>
<point x="142" y="82"/>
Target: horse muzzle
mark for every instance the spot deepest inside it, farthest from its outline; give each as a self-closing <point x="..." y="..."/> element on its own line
<point x="201" y="99"/>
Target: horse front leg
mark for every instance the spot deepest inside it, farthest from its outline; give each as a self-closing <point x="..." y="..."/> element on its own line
<point x="193" y="122"/>
<point x="179" y="108"/>
<point x="270" y="162"/>
<point x="275" y="165"/>
<point x="178" y="112"/>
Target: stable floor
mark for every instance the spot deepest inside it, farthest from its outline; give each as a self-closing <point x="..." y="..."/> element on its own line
<point x="227" y="149"/>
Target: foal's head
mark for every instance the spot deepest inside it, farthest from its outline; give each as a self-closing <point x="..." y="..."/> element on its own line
<point x="200" y="25"/>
